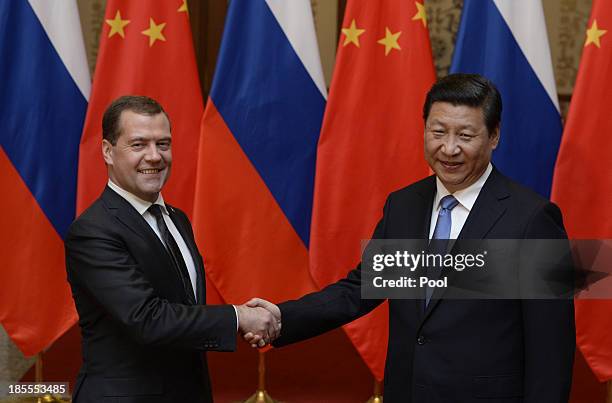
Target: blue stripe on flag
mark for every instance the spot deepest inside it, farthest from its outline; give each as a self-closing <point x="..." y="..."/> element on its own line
<point x="271" y="105"/>
<point x="531" y="125"/>
<point x="42" y="113"/>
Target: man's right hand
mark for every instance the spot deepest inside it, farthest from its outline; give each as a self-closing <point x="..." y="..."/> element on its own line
<point x="259" y="322"/>
<point x="258" y="338"/>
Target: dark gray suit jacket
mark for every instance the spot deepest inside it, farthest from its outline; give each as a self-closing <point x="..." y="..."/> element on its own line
<point x="459" y="350"/>
<point x="142" y="337"/>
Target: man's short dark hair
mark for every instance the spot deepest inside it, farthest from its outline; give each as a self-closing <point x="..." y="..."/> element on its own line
<point x="470" y="90"/>
<point x="111" y="128"/>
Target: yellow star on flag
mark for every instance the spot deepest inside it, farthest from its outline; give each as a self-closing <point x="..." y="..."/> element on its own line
<point x="593" y="35"/>
<point x="390" y="41"/>
<point x="352" y="34"/>
<point x="421" y="13"/>
<point x="154" y="32"/>
<point x="183" y="7"/>
<point x="117" y="25"/>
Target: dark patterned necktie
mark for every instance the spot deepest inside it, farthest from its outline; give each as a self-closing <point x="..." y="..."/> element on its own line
<point x="174" y="251"/>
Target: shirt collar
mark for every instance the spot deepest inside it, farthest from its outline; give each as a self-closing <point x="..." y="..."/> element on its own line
<point x="466" y="197"/>
<point x="140" y="205"/>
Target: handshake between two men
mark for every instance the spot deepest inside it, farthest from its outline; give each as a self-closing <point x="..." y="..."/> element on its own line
<point x="259" y="322"/>
<point x="136" y="275"/>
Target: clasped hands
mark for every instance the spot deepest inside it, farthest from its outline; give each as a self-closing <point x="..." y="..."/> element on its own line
<point x="259" y="322"/>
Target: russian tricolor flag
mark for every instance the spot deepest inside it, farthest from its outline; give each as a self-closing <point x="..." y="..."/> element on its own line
<point x="506" y="41"/>
<point x="255" y="183"/>
<point x="44" y="87"/>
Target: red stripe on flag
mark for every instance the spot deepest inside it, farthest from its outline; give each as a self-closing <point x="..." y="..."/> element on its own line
<point x="249" y="247"/>
<point x="37" y="308"/>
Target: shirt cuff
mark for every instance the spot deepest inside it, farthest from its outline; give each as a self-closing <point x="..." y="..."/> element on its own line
<point x="237" y="322"/>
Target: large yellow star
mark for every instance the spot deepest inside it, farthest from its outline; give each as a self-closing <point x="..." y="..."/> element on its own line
<point x="390" y="41"/>
<point x="117" y="25"/>
<point x="421" y="13"/>
<point x="352" y="34"/>
<point x="593" y="35"/>
<point x="154" y="32"/>
<point x="183" y="7"/>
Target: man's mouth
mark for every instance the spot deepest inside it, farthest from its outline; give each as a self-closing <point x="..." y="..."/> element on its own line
<point x="150" y="171"/>
<point x="450" y="164"/>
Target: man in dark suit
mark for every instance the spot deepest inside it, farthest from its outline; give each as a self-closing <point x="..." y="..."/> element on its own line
<point x="137" y="277"/>
<point x="457" y="350"/>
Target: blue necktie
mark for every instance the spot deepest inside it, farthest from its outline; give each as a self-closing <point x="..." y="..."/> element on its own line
<point x="441" y="234"/>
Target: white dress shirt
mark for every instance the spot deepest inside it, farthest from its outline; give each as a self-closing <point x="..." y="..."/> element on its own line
<point x="142" y="206"/>
<point x="466" y="198"/>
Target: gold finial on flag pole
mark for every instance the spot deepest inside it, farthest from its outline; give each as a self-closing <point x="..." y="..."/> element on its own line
<point x="377" y="397"/>
<point x="39" y="378"/>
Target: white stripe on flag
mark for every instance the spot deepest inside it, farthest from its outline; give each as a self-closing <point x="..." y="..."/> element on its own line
<point x="295" y="19"/>
<point x="60" y="20"/>
<point x="526" y="21"/>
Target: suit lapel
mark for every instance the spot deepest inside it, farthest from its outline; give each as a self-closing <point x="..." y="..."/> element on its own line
<point x="487" y="210"/>
<point x="128" y="215"/>
<point x="427" y="194"/>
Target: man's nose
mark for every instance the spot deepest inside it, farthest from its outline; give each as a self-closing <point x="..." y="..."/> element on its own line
<point x="152" y="153"/>
<point x="450" y="146"/>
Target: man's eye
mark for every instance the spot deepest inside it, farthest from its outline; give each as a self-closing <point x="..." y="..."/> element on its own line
<point x="163" y="146"/>
<point x="465" y="136"/>
<point x="136" y="145"/>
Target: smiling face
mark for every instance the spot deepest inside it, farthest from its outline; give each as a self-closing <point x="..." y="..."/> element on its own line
<point x="140" y="161"/>
<point x="458" y="146"/>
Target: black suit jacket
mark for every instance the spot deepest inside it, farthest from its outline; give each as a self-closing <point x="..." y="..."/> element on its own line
<point x="142" y="338"/>
<point x="459" y="350"/>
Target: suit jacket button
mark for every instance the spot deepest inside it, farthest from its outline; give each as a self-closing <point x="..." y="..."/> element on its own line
<point x="421" y="340"/>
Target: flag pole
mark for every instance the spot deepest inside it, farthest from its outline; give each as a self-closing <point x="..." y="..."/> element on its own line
<point x="38" y="378"/>
<point x="38" y="372"/>
<point x="377" y="397"/>
<point x="38" y="368"/>
<point x="261" y="396"/>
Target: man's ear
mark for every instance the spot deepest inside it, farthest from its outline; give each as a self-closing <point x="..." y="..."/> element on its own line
<point x="107" y="152"/>
<point x="495" y="137"/>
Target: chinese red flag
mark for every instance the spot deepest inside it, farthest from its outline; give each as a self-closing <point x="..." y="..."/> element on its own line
<point x="146" y="48"/>
<point x="582" y="185"/>
<point x="371" y="143"/>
